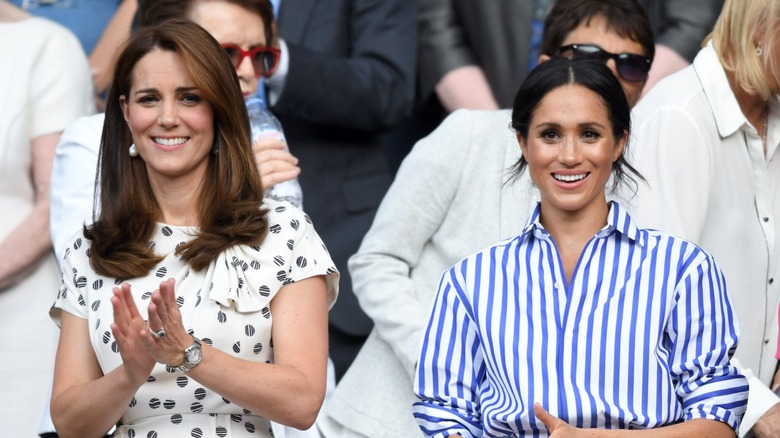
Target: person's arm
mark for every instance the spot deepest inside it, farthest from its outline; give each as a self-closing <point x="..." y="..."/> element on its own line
<point x="85" y="403"/>
<point x="289" y="391"/>
<point x="447" y="64"/>
<point x="422" y="194"/>
<point x="666" y="62"/>
<point x="26" y="245"/>
<point x="449" y="390"/>
<point x="466" y="87"/>
<point x="101" y="60"/>
<point x="370" y="86"/>
<point x="681" y="29"/>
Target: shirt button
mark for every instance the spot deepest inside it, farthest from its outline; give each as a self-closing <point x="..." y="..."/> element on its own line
<point x="766" y="340"/>
<point x="557" y="285"/>
<point x="766" y="219"/>
<point x="771" y="280"/>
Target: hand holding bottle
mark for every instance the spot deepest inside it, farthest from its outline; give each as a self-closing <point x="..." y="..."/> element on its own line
<point x="275" y="163"/>
<point x="266" y="128"/>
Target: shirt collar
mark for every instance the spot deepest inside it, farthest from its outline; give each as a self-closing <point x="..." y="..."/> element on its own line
<point x="617" y="220"/>
<point x="712" y="76"/>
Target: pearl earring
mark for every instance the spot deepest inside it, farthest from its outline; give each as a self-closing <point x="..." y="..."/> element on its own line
<point x="133" y="151"/>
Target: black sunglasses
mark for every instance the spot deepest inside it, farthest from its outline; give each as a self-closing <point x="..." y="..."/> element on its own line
<point x="630" y="67"/>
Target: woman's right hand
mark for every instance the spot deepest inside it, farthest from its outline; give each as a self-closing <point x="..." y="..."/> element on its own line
<point x="127" y="327"/>
<point x="274" y="162"/>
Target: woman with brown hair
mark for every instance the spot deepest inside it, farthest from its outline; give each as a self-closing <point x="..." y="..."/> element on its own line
<point x="181" y="199"/>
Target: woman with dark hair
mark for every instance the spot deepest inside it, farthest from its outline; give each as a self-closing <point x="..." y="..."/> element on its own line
<point x="181" y="199"/>
<point x="584" y="314"/>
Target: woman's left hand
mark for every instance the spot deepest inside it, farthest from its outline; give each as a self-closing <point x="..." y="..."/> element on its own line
<point x="557" y="427"/>
<point x="168" y="348"/>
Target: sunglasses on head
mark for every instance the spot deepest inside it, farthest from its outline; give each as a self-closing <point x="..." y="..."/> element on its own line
<point x="630" y="67"/>
<point x="264" y="59"/>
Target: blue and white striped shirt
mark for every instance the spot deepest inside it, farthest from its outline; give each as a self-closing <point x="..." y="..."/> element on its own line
<point x="641" y="338"/>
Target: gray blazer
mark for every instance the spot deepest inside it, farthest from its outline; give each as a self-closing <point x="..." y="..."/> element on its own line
<point x="449" y="200"/>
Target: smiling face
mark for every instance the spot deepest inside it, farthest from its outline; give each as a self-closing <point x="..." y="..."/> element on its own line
<point x="229" y="23"/>
<point x="570" y="150"/>
<point x="597" y="33"/>
<point x="171" y="124"/>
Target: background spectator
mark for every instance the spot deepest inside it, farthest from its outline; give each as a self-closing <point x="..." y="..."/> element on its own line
<point x="45" y="85"/>
<point x="706" y="140"/>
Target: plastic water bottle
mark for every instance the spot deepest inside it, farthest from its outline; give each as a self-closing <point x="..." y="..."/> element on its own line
<point x="266" y="125"/>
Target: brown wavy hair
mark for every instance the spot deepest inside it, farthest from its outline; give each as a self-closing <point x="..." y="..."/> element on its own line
<point x="231" y="194"/>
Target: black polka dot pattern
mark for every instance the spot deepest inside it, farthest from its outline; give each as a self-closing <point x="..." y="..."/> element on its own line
<point x="226" y="305"/>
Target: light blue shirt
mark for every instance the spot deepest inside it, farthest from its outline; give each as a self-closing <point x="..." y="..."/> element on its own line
<point x="640" y="338"/>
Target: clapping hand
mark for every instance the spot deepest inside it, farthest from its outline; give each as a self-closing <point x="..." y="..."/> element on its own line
<point x="127" y="327"/>
<point x="160" y="340"/>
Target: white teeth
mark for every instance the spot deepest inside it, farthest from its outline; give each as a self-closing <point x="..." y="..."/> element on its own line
<point x="170" y="141"/>
<point x="569" y="178"/>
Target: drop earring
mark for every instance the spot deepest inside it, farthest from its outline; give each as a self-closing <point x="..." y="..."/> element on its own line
<point x="758" y="50"/>
<point x="133" y="151"/>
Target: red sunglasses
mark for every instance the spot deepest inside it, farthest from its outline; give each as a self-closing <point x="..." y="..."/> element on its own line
<point x="264" y="59"/>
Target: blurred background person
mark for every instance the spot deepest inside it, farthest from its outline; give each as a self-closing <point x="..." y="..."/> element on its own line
<point x="449" y="199"/>
<point x="348" y="77"/>
<point x="706" y="140"/>
<point x="45" y="85"/>
<point x="475" y="54"/>
<point x="100" y="25"/>
<point x="202" y="269"/>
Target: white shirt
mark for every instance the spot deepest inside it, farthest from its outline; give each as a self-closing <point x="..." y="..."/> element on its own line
<point x="73" y="179"/>
<point x="639" y="338"/>
<point x="708" y="182"/>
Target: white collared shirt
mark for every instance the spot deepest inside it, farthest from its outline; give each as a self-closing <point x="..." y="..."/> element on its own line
<point x="709" y="182"/>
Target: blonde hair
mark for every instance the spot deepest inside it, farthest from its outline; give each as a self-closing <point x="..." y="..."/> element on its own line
<point x="736" y="37"/>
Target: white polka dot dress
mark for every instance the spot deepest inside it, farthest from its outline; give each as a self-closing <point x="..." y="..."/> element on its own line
<point x="226" y="305"/>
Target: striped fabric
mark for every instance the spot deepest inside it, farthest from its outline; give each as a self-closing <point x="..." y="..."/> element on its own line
<point x="641" y="337"/>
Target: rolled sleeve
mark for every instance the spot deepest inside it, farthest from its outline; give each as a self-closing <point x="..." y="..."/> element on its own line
<point x="450" y="368"/>
<point x="704" y="336"/>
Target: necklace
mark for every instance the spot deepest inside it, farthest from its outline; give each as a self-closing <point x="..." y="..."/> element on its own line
<point x="764" y="131"/>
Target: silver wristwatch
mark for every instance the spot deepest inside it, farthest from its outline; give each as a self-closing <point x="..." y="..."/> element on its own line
<point x="192" y="356"/>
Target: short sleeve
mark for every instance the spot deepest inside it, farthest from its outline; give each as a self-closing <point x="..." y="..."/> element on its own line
<point x="75" y="267"/>
<point x="310" y="257"/>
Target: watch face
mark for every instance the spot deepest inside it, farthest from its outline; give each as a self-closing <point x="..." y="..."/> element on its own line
<point x="194" y="355"/>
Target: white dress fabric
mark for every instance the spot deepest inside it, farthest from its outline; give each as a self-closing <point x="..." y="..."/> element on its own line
<point x="44" y="85"/>
<point x="227" y="306"/>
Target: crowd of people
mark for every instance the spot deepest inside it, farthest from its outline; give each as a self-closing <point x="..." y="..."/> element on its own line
<point x="543" y="218"/>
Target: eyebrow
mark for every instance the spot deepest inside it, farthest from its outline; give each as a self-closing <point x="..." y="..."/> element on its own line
<point x="178" y="90"/>
<point x="544" y="125"/>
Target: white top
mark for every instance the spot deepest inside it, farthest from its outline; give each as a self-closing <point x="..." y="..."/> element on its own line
<point x="227" y="306"/>
<point x="639" y="338"/>
<point x="45" y="84"/>
<point x="73" y="179"/>
<point x="709" y="182"/>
